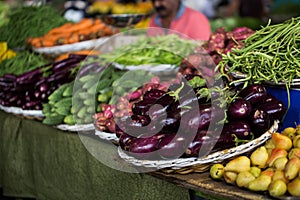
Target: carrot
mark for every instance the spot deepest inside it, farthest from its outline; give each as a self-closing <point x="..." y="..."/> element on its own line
<point x="84" y="34"/>
<point x="83" y="24"/>
<point x="48" y="43"/>
<point x="107" y="30"/>
<point x="81" y="52"/>
<point x="59" y="29"/>
<point x="36" y="42"/>
<point x="73" y="38"/>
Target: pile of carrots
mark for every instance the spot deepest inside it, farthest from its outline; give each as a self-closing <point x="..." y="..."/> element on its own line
<point x="69" y="33"/>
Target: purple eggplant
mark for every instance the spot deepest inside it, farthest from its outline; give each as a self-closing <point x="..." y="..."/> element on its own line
<point x="239" y="109"/>
<point x="196" y="120"/>
<point x="77" y="56"/>
<point x="240" y="129"/>
<point x="194" y="147"/>
<point x="43" y="87"/>
<point x="270" y="98"/>
<point x="153" y="94"/>
<point x="142" y="107"/>
<point x="275" y="109"/>
<point x="30" y="76"/>
<point x="254" y="93"/>
<point x="125" y="141"/>
<point x="11" y="77"/>
<point x="60" y="77"/>
<point x="5" y="80"/>
<point x="31" y="105"/>
<point x="144" y="148"/>
<point x="89" y="68"/>
<point x="135" y="125"/>
<point x="164" y="125"/>
<point x="6" y="84"/>
<point x="260" y="122"/>
<point x="65" y="64"/>
<point x="171" y="146"/>
<point x="165" y="100"/>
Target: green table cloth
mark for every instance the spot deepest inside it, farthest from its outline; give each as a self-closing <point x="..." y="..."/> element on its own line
<point x="39" y="161"/>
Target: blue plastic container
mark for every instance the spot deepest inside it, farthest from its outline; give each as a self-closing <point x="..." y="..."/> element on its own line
<point x="293" y="114"/>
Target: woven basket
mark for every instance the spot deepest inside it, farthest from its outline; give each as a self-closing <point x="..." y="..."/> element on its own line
<point x="107" y="136"/>
<point x="27" y="114"/>
<point x="194" y="164"/>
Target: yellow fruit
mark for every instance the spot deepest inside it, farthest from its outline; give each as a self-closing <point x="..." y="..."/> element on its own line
<point x="282" y="141"/>
<point x="296" y="141"/>
<point x="275" y="154"/>
<point x="290" y="132"/>
<point x="292" y="168"/>
<point x="244" y="178"/>
<point x="279" y="175"/>
<point x="261" y="183"/>
<point x="255" y="171"/>
<point x="238" y="164"/>
<point x="277" y="188"/>
<point x="259" y="157"/>
<point x="217" y="171"/>
<point x="295" y="152"/>
<point x="280" y="163"/>
<point x="230" y="177"/>
<point x="293" y="187"/>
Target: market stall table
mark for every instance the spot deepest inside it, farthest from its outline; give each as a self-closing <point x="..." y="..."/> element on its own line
<point x="38" y="161"/>
<point x="41" y="162"/>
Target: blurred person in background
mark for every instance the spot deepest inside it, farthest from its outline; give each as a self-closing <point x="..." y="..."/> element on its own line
<point x="247" y="8"/>
<point x="174" y="15"/>
<point x="207" y="7"/>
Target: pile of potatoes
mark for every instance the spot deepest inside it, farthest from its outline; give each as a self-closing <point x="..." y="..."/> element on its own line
<point x="274" y="167"/>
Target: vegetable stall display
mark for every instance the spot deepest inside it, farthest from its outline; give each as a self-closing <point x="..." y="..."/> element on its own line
<point x="245" y="120"/>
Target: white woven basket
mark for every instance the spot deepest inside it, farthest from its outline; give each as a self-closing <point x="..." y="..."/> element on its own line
<point x="84" y="45"/>
<point x="209" y="159"/>
<point x="20" y="111"/>
<point x="107" y="136"/>
<point x="76" y="127"/>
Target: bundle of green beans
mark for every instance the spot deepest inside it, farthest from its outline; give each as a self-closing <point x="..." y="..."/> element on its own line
<point x="271" y="54"/>
<point x="23" y="62"/>
<point x="29" y="21"/>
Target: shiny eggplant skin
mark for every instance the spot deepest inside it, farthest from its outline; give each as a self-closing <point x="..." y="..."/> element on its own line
<point x="260" y="122"/>
<point x="153" y="94"/>
<point x="239" y="109"/>
<point x="241" y="129"/>
<point x="275" y="108"/>
<point x="255" y="93"/>
<point x="171" y="146"/>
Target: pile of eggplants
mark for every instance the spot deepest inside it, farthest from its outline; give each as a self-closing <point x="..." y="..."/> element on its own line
<point x="31" y="89"/>
<point x="167" y="125"/>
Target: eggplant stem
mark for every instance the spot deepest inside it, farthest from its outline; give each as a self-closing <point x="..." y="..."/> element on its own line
<point x="240" y="141"/>
<point x="175" y="94"/>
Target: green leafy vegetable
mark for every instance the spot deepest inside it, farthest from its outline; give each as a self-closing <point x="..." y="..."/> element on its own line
<point x="29" y="22"/>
